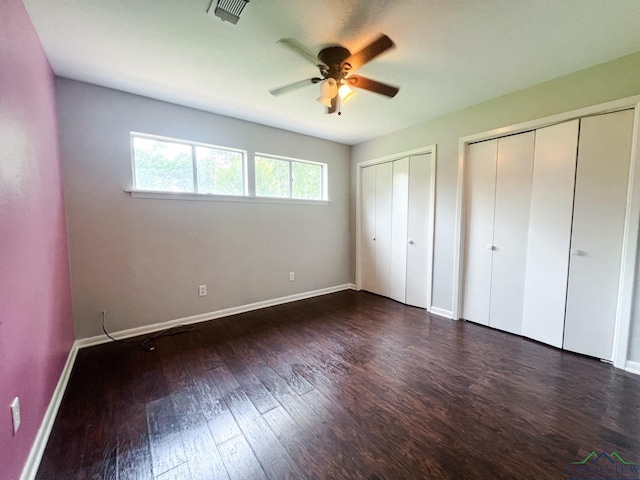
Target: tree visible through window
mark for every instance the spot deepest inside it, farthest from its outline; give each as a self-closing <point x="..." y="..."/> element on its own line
<point x="162" y="166"/>
<point x="306" y="180"/>
<point x="284" y="178"/>
<point x="219" y="171"/>
<point x="166" y="166"/>
<point x="272" y="178"/>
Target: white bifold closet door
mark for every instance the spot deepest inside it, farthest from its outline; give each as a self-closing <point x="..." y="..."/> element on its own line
<point x="400" y="208"/>
<point x="511" y="225"/>
<point x="544" y="220"/>
<point x="368" y="233"/>
<point x="602" y="178"/>
<point x="396" y="229"/>
<point x="419" y="227"/>
<point x="480" y="191"/>
<point x="498" y="194"/>
<point x="550" y="232"/>
<point x="382" y="237"/>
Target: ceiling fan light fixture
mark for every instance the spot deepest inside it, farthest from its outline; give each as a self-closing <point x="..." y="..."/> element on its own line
<point x="328" y="90"/>
<point x="345" y="93"/>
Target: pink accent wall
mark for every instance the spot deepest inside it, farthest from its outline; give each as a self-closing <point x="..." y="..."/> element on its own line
<point x="36" y="330"/>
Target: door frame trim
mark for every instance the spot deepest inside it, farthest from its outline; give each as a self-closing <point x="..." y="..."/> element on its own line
<point x="632" y="217"/>
<point x="432" y="210"/>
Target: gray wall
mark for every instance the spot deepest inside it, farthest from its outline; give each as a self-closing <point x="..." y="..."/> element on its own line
<point x="617" y="79"/>
<point x="143" y="259"/>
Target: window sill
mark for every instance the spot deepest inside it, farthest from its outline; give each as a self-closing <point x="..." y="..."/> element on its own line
<point x="209" y="197"/>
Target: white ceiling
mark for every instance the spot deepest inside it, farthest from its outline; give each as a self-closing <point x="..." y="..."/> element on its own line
<point x="450" y="53"/>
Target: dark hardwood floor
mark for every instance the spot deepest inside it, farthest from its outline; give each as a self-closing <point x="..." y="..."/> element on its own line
<point x="348" y="385"/>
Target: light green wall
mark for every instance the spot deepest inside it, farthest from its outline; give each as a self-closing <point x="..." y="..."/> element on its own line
<point x="609" y="81"/>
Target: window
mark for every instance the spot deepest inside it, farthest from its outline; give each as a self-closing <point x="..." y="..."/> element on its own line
<point x="287" y="178"/>
<point x="169" y="165"/>
<point x="172" y="168"/>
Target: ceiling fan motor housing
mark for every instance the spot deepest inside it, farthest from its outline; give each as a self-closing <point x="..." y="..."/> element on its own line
<point x="334" y="57"/>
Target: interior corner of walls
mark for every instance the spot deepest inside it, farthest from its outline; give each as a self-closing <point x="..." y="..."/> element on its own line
<point x="89" y="341"/>
<point x="40" y="442"/>
<point x="441" y="312"/>
<point x="633" y="367"/>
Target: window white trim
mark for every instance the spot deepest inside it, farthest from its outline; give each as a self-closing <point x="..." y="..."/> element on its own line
<point x="186" y="142"/>
<point x="211" y="197"/>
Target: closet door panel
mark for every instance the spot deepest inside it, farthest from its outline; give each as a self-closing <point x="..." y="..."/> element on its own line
<point x="548" y="245"/>
<point x="479" y="216"/>
<point x="368" y="233"/>
<point x="512" y="204"/>
<point x="397" y="289"/>
<point x="419" y="230"/>
<point x="602" y="178"/>
<point x="384" y="198"/>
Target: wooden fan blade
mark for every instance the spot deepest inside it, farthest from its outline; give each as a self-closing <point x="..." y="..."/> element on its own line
<point x="293" y="86"/>
<point x="297" y="47"/>
<point x="365" y="83"/>
<point x="368" y="53"/>
<point x="334" y="105"/>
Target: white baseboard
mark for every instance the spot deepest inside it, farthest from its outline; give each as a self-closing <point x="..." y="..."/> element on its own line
<point x="203" y="317"/>
<point x="441" y="312"/>
<point x="35" y="455"/>
<point x="37" y="449"/>
<point x="633" y="367"/>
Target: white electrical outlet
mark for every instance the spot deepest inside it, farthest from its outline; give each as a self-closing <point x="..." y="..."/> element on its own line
<point x="15" y="413"/>
<point x="202" y="290"/>
<point x="292" y="276"/>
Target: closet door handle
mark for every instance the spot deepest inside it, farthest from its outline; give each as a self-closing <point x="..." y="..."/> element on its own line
<point x="410" y="242"/>
<point x="374" y="239"/>
<point x="491" y="247"/>
<point x="578" y="253"/>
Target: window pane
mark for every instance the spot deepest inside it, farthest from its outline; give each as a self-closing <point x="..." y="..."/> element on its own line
<point x="219" y="171"/>
<point x="272" y="177"/>
<point x="162" y="166"/>
<point x="307" y="181"/>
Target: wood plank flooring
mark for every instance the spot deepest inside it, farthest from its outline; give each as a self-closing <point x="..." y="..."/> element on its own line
<point x="347" y="385"/>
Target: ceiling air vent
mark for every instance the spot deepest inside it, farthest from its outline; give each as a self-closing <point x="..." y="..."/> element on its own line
<point x="228" y="10"/>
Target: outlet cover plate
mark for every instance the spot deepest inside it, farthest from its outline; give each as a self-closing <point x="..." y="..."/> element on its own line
<point x="15" y="414"/>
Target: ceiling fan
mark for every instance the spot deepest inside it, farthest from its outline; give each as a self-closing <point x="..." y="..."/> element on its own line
<point x="336" y="65"/>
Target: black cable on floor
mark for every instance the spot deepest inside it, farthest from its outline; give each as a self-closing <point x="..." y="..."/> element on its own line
<point x="147" y="344"/>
